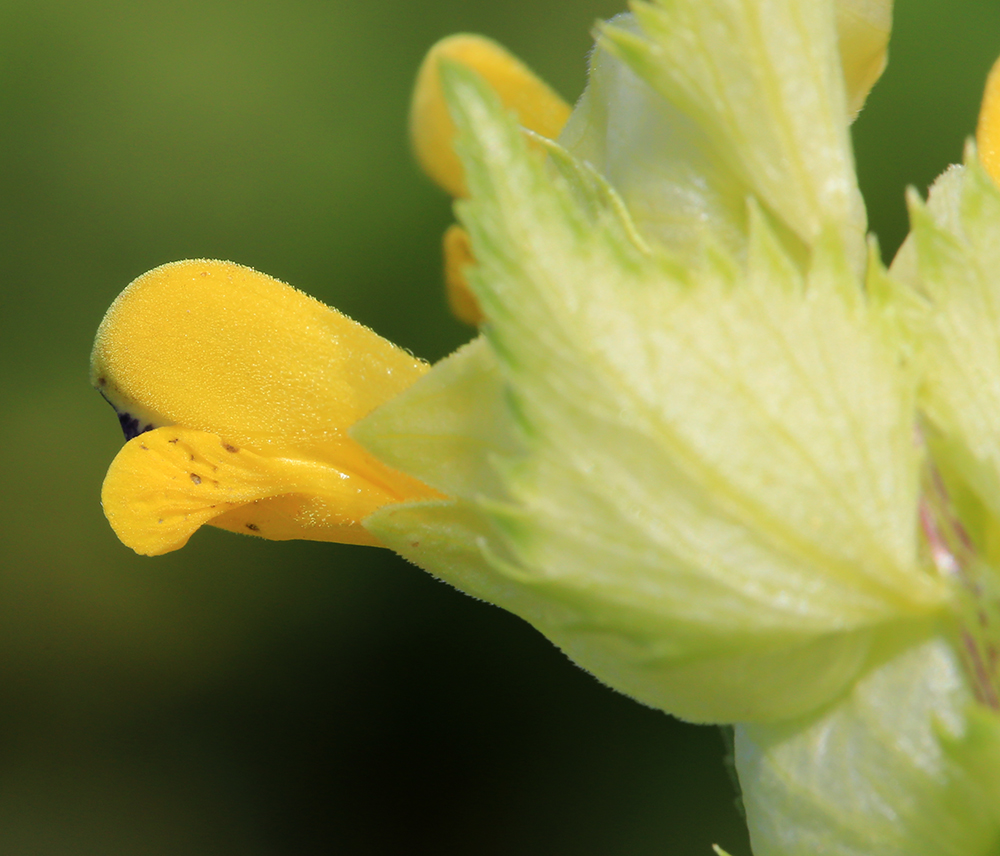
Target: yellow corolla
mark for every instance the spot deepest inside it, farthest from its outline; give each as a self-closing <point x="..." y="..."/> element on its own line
<point x="432" y="130"/>
<point x="988" y="129"/>
<point x="537" y="107"/>
<point x="237" y="392"/>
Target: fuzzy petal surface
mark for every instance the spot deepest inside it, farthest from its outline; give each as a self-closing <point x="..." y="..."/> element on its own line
<point x="257" y="384"/>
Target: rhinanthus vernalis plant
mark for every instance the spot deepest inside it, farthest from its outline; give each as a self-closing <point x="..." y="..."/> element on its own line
<point x="705" y="442"/>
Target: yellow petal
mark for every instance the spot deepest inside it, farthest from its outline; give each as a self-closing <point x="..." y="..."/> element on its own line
<point x="988" y="130"/>
<point x="166" y="483"/>
<point x="432" y="132"/>
<point x="457" y="258"/>
<point x="251" y="387"/>
<point x="222" y="348"/>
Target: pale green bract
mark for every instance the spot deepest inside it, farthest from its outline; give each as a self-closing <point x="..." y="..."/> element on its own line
<point x="695" y="442"/>
<point x="954" y="261"/>
<point x="893" y="770"/>
<point x="700" y="482"/>
<point x="685" y="130"/>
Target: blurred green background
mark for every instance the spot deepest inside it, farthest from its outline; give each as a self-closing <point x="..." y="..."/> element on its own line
<point x="244" y="697"/>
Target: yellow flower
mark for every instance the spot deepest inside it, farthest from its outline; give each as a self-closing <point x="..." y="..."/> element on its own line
<point x="237" y="393"/>
<point x="537" y="107"/>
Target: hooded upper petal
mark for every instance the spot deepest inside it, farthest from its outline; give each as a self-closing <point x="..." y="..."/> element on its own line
<point x="432" y="131"/>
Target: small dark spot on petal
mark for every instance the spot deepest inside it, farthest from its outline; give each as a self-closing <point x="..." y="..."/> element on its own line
<point x="230" y="448"/>
<point x="253" y="527"/>
<point x="190" y="456"/>
<point x="102" y="380"/>
<point x="414" y="543"/>
<point x="196" y="478"/>
<point x="175" y="440"/>
<point x="144" y="447"/>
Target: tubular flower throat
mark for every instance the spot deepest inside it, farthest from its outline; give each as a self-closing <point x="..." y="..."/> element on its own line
<point x="705" y="441"/>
